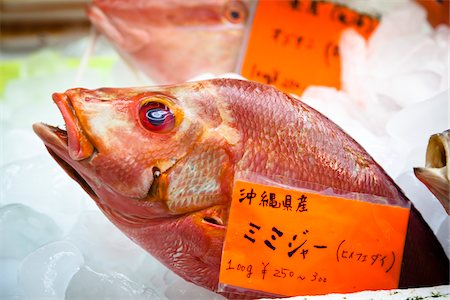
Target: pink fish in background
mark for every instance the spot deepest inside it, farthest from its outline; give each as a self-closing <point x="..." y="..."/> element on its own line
<point x="172" y="41"/>
<point x="160" y="163"/>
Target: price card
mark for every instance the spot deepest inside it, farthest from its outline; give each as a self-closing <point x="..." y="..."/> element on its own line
<point x="289" y="242"/>
<point x="294" y="44"/>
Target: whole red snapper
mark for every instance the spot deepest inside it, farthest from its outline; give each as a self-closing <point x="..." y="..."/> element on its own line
<point x="173" y="40"/>
<point x="160" y="163"/>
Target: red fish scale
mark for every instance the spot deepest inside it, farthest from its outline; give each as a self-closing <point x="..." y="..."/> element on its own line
<point x="284" y="137"/>
<point x="194" y="181"/>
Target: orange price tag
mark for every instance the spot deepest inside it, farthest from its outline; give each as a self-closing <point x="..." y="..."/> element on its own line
<point x="294" y="44"/>
<point x="289" y="242"/>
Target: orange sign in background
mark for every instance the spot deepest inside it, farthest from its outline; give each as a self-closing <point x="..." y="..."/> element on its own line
<point x="294" y="44"/>
<point x="437" y="11"/>
<point x="288" y="242"/>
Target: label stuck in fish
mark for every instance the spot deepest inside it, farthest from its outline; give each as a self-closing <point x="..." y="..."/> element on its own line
<point x="294" y="44"/>
<point x="291" y="242"/>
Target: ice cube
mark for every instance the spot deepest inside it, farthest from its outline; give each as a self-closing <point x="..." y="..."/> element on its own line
<point x="22" y="144"/>
<point x="151" y="271"/>
<point x="426" y="84"/>
<point x="89" y="283"/>
<point x="387" y="43"/>
<point x="40" y="183"/>
<point x="401" y="65"/>
<point x="354" y="67"/>
<point x="104" y="245"/>
<point x="407" y="61"/>
<point x="47" y="271"/>
<point x="9" y="286"/>
<point x="416" y="123"/>
<point x="181" y="289"/>
<point x="170" y="277"/>
<point x="22" y="229"/>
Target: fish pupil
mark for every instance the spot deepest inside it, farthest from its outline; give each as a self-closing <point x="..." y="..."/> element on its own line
<point x="235" y="11"/>
<point x="235" y="15"/>
<point x="157" y="116"/>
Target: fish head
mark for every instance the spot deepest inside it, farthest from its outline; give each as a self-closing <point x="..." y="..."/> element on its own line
<point x="436" y="173"/>
<point x="153" y="162"/>
<point x="173" y="41"/>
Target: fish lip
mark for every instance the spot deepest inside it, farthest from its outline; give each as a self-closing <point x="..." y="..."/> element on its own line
<point x="79" y="146"/>
<point x="52" y="136"/>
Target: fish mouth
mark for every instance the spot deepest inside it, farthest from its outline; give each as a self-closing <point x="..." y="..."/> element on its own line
<point x="57" y="143"/>
<point x="68" y="146"/>
<point x="79" y="146"/>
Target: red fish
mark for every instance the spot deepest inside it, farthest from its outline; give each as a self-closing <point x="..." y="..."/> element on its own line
<point x="160" y="163"/>
<point x="173" y="41"/>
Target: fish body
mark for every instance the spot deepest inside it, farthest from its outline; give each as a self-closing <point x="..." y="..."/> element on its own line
<point x="436" y="173"/>
<point x="172" y="41"/>
<point x="160" y="163"/>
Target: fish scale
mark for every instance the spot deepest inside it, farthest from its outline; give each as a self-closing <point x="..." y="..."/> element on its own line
<point x="315" y="153"/>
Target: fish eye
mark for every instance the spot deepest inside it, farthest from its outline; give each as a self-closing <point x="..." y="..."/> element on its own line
<point x="235" y="12"/>
<point x="156" y="117"/>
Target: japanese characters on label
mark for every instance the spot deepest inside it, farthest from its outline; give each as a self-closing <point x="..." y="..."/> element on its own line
<point x="270" y="200"/>
<point x="294" y="44"/>
<point x="292" y="243"/>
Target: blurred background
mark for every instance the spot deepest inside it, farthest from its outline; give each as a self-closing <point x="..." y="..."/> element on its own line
<point x="28" y="25"/>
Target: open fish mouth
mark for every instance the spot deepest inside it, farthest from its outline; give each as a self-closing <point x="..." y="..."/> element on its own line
<point x="68" y="146"/>
<point x="79" y="146"/>
<point x="57" y="143"/>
